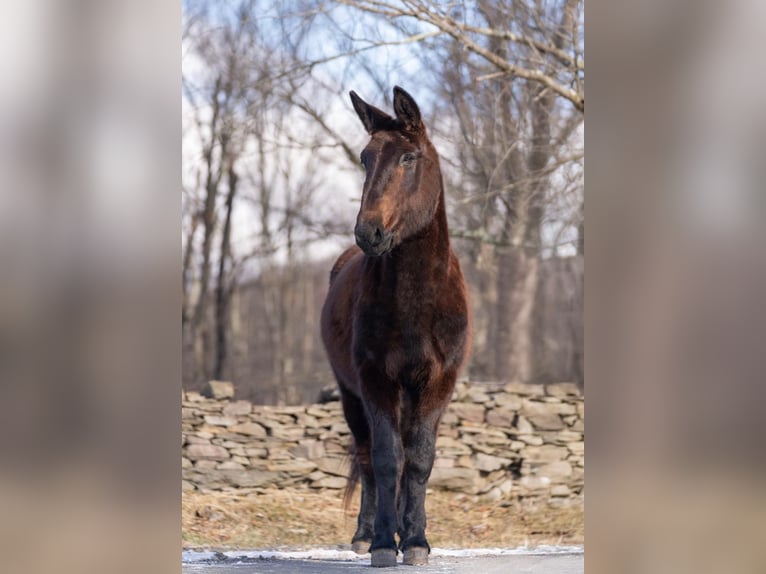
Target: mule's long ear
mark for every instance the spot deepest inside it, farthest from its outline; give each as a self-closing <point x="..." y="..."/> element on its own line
<point x="372" y="118"/>
<point x="407" y="110"/>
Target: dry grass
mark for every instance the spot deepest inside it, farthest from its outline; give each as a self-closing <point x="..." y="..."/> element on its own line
<point x="303" y="518"/>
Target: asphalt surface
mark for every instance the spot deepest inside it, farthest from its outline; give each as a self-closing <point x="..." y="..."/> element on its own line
<point x="520" y="564"/>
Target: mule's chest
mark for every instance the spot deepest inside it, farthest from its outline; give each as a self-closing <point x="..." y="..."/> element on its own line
<point x="407" y="345"/>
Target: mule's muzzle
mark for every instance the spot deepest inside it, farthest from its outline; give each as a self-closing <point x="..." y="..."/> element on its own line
<point x="373" y="239"/>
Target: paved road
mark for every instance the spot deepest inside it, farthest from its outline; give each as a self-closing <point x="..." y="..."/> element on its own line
<point x="520" y="564"/>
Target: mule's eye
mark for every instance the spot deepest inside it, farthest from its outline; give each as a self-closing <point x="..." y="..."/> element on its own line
<point x="408" y="159"/>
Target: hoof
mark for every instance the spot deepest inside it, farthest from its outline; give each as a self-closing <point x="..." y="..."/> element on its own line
<point x="416" y="556"/>
<point x="361" y="546"/>
<point x="383" y="558"/>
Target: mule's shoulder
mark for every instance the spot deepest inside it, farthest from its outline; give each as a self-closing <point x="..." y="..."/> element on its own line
<point x="343" y="260"/>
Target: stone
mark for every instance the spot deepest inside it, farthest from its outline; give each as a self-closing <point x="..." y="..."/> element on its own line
<point x="191" y="439"/>
<point x="237" y="408"/>
<point x="334" y="447"/>
<point x="483" y="448"/>
<point x="562" y="390"/>
<point x="333" y="465"/>
<point x="230" y="465"/>
<point x="206" y="452"/>
<point x="461" y="479"/>
<point x="451" y="432"/>
<point x="499" y="439"/>
<point x="534" y="482"/>
<point x="493" y="495"/>
<point x="211" y="430"/>
<point x="546" y="421"/>
<point x="249" y="429"/>
<point x="468" y="412"/>
<point x="523" y="425"/>
<point x="449" y="418"/>
<point x="248" y="478"/>
<point x="531" y="408"/>
<point x="307" y="421"/>
<point x="545" y="453"/>
<point x="278" y="453"/>
<point x="185" y="462"/>
<point x="310" y="449"/>
<point x="329" y="482"/>
<point x="221" y="421"/>
<point x="271" y="419"/>
<point x="556" y="470"/>
<point x="256" y="452"/>
<point x="187" y="486"/>
<point x="464" y="461"/>
<point x="577" y="461"/>
<point x="205" y="464"/>
<point x="576" y="447"/>
<point x="287" y="433"/>
<point x="567" y="436"/>
<point x="285" y="410"/>
<point x="500" y="417"/>
<point x="526" y="389"/>
<point x="577" y="426"/>
<point x="560" y="490"/>
<point x="480" y="430"/>
<point x="339" y="428"/>
<point x="243" y="460"/>
<point x="536" y="408"/>
<point x="219" y="389"/>
<point x="208" y="406"/>
<point x="194" y="397"/>
<point x="531" y="439"/>
<point x="475" y="395"/>
<point x="444" y="462"/>
<point x="297" y="465"/>
<point x="445" y="444"/>
<point x="188" y="413"/>
<point x="489" y="463"/>
<point x="506" y="401"/>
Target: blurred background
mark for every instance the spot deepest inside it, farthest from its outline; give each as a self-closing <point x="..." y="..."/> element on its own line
<point x="272" y="180"/>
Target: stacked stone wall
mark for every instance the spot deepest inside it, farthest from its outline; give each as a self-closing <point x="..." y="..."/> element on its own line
<point x="498" y="441"/>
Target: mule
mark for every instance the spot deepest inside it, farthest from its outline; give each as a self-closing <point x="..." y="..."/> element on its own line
<point x="396" y="327"/>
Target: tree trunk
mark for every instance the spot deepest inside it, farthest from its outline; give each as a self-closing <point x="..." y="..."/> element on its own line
<point x="223" y="292"/>
<point x="517" y="279"/>
<point x="200" y="328"/>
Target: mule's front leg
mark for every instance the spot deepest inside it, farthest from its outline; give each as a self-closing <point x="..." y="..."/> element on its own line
<point x="419" y="454"/>
<point x="387" y="461"/>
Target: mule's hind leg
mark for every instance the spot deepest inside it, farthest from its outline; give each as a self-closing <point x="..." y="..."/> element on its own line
<point x="353" y="409"/>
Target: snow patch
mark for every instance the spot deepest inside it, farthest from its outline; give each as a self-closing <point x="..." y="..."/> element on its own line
<point x="334" y="555"/>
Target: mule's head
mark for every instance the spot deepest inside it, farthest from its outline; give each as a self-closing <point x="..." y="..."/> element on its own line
<point x="402" y="186"/>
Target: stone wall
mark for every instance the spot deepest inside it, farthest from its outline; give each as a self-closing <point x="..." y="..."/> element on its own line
<point x="497" y="441"/>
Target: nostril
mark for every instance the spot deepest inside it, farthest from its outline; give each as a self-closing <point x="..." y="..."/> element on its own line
<point x="378" y="235"/>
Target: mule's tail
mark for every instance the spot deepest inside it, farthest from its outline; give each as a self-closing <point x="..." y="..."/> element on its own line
<point x="354" y="475"/>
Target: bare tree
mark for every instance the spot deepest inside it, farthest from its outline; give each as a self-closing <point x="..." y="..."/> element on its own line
<point x="512" y="73"/>
<point x="503" y="84"/>
<point x="257" y="162"/>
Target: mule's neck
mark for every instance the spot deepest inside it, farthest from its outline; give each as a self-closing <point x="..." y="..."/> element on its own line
<point x="428" y="251"/>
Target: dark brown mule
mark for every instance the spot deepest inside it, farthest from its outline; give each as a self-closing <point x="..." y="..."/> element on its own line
<point x="396" y="328"/>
